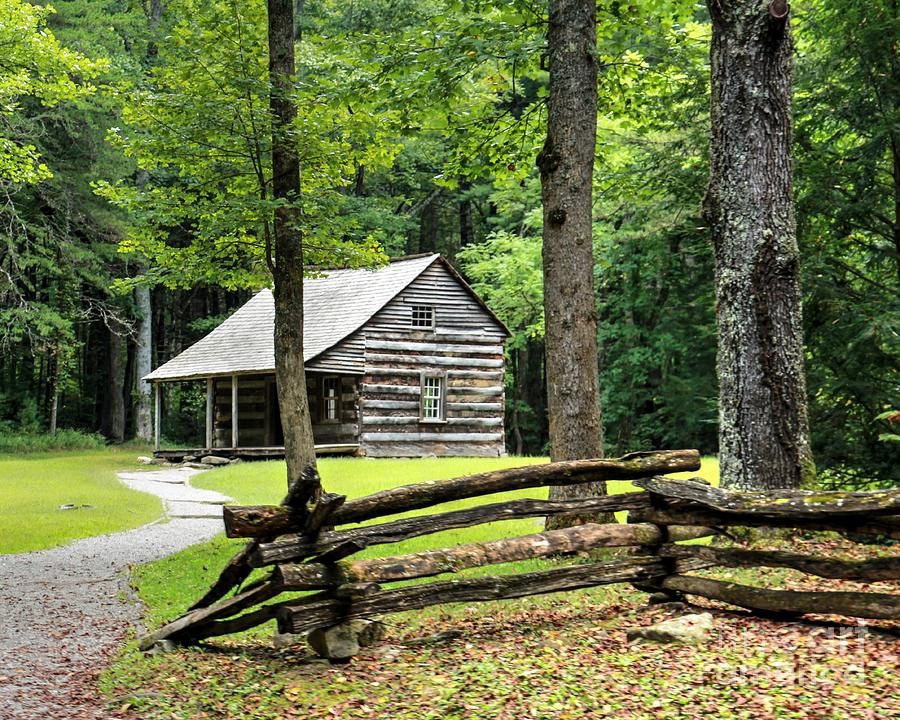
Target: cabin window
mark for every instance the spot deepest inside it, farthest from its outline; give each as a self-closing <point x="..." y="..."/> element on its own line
<point x="422" y="316"/>
<point x="331" y="394"/>
<point x="433" y="397"/>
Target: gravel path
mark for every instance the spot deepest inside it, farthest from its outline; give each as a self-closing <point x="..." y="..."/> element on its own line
<point x="65" y="611"/>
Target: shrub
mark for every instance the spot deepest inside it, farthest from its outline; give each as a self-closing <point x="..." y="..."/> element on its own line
<point x="20" y="443"/>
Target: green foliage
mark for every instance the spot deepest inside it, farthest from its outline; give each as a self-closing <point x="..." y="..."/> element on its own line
<point x="25" y="443"/>
<point x="848" y="171"/>
<point x="199" y="130"/>
<point x="37" y="71"/>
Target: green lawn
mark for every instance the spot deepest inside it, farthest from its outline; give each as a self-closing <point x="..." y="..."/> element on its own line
<point x="33" y="487"/>
<point x="170" y="585"/>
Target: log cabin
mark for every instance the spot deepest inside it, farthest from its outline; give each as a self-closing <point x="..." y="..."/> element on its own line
<point x="402" y="361"/>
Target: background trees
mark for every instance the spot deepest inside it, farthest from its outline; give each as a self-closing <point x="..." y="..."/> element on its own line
<point x="453" y="172"/>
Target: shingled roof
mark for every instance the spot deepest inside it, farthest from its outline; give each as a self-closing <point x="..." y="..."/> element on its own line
<point x="334" y="305"/>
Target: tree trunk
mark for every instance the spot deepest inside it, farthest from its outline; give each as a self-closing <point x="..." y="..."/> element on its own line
<point x="566" y="163"/>
<point x="114" y="400"/>
<point x="466" y="223"/>
<point x="143" y="365"/>
<point x="763" y="427"/>
<point x="290" y="375"/>
<point x="55" y="370"/>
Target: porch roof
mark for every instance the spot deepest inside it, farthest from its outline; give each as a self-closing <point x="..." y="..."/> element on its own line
<point x="335" y="305"/>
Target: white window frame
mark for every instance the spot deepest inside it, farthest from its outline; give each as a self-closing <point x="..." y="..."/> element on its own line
<point x="416" y="318"/>
<point x="425" y="408"/>
<point x="325" y="398"/>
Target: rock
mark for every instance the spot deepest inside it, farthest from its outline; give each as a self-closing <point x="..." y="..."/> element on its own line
<point x="189" y="459"/>
<point x="163" y="647"/>
<point x="214" y="460"/>
<point x="368" y="632"/>
<point x="337" y="643"/>
<point x="284" y="640"/>
<point x="197" y="466"/>
<point x="685" y="629"/>
<point x="144" y="460"/>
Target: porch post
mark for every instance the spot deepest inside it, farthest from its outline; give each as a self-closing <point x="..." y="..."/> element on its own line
<point x="209" y="413"/>
<point x="157" y="419"/>
<point x="234" y="411"/>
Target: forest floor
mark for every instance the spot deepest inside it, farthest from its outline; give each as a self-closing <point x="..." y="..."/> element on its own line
<point x="65" y="611"/>
<point x="543" y="658"/>
<point x="548" y="658"/>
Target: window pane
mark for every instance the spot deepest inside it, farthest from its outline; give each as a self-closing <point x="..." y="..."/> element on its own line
<point x="330" y="397"/>
<point x="422" y="316"/>
<point x="432" y="392"/>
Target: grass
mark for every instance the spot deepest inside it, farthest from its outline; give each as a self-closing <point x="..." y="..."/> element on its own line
<point x="34" y="486"/>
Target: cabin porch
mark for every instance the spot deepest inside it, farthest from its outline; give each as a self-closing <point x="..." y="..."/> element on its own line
<point x="243" y="418"/>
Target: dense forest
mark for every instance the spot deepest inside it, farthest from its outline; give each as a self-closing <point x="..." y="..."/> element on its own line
<point x="134" y="165"/>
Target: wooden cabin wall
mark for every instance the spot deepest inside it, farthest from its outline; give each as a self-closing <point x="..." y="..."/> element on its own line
<point x="466" y="344"/>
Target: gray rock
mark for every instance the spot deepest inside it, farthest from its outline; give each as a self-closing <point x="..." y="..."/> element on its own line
<point x="214" y="460"/>
<point x="144" y="460"/>
<point x="163" y="647"/>
<point x="197" y="466"/>
<point x="368" y="632"/>
<point x="189" y="459"/>
<point x="285" y="640"/>
<point x="685" y="629"/>
<point x="338" y="643"/>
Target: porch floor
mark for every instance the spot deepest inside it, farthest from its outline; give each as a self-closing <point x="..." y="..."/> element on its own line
<point x="251" y="453"/>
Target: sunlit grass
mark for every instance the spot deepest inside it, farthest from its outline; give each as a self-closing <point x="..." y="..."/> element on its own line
<point x="34" y="486"/>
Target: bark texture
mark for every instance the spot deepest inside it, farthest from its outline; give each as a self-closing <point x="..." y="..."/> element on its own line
<point x="763" y="432"/>
<point x="566" y="163"/>
<point x="290" y="375"/>
<point x="143" y="365"/>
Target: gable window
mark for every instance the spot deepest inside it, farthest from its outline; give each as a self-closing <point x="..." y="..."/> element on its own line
<point x="422" y="316"/>
<point x="331" y="389"/>
<point x="432" y="408"/>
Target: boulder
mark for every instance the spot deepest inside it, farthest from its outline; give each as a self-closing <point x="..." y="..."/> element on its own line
<point x="685" y="629"/>
<point x="214" y="460"/>
<point x="338" y="643"/>
<point x="341" y="642"/>
<point x="368" y="632"/>
<point x="189" y="458"/>
<point x="144" y="460"/>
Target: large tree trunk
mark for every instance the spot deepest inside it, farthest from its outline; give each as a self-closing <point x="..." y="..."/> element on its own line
<point x="114" y="401"/>
<point x="290" y="375"/>
<point x="763" y="431"/>
<point x="566" y="163"/>
<point x="143" y="364"/>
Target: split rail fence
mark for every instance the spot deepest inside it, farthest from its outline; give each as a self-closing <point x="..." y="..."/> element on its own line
<point x="303" y="554"/>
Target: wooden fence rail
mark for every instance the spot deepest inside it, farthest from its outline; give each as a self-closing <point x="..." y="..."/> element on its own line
<point x="304" y="557"/>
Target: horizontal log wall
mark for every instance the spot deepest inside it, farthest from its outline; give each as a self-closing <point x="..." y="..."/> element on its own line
<point x="465" y="346"/>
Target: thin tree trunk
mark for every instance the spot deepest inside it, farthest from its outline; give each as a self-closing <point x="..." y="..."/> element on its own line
<point x="290" y="375"/>
<point x="55" y="369"/>
<point x="763" y="426"/>
<point x="143" y="364"/>
<point x="566" y="163"/>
